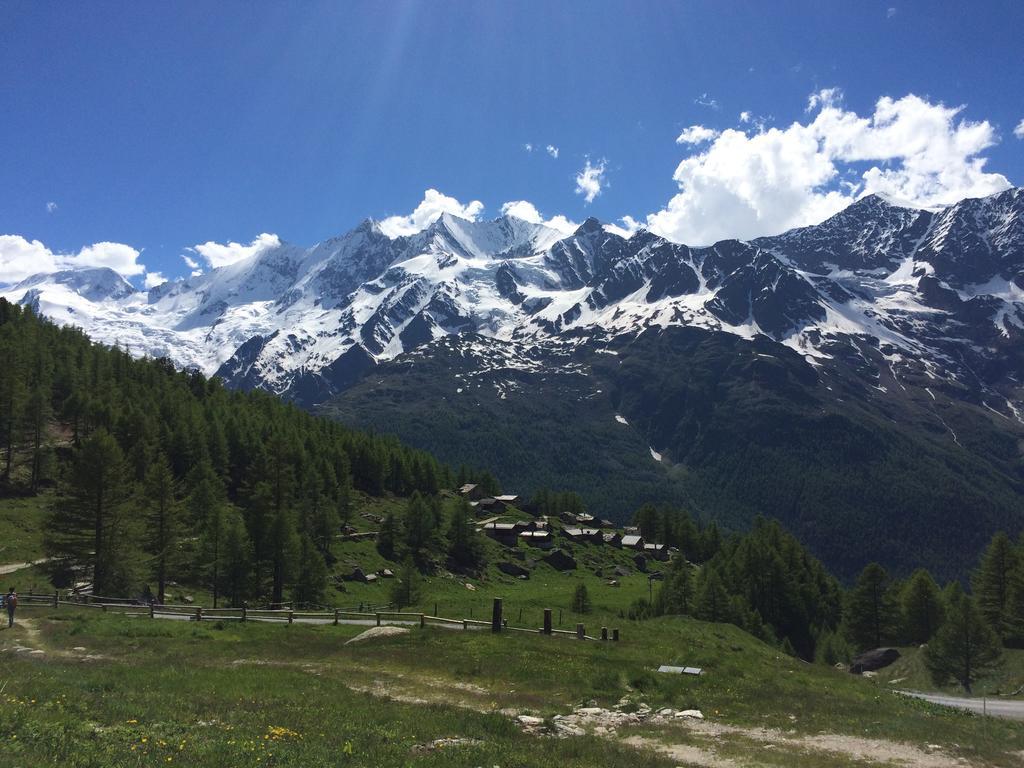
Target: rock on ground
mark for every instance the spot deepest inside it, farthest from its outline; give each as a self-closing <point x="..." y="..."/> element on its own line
<point x="376" y="633"/>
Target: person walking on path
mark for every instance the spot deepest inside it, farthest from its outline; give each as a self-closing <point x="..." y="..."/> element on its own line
<point x="11" y="601"/>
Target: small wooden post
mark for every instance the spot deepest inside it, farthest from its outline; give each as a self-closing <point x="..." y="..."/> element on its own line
<point x="435" y="609"/>
<point x="547" y="621"/>
<point x="423" y="621"/>
<point x="604" y="633"/>
<point x="199" y="613"/>
<point x="520" y="614"/>
<point x="559" y="617"/>
<point x="335" y="617"/>
<point x="103" y="607"/>
<point x="615" y="635"/>
<point x="152" y="611"/>
<point x="55" y="598"/>
<point x="465" y="624"/>
<point x="245" y="613"/>
<point x="580" y="632"/>
<point x="378" y="619"/>
<point x="291" y="616"/>
<point x="496" y="615"/>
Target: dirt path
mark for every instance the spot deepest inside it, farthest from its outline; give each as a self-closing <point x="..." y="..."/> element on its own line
<point x="861" y="749"/>
<point x="14" y="567"/>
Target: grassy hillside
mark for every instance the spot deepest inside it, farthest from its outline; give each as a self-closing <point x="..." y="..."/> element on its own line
<point x="111" y="691"/>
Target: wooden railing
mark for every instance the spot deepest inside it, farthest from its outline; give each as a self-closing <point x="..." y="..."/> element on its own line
<point x="334" y="616"/>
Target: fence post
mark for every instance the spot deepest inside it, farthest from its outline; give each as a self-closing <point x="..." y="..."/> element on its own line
<point x="423" y="621"/>
<point x="103" y="607"/>
<point x="244" y="612"/>
<point x="465" y="624"/>
<point x="291" y="616"/>
<point x="55" y="598"/>
<point x="604" y="633"/>
<point x="615" y="635"/>
<point x="199" y="613"/>
<point x="152" y="611"/>
<point x="378" y="619"/>
<point x="496" y="615"/>
<point x="580" y="632"/>
<point x="335" y="617"/>
<point x="547" y="621"/>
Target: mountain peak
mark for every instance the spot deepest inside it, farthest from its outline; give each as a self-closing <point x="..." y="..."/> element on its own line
<point x="590" y="225"/>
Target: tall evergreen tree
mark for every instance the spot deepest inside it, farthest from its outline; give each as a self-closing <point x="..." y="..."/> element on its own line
<point x="237" y="569"/>
<point x="465" y="547"/>
<point x="712" y="601"/>
<point x="964" y="647"/>
<point x="162" y="519"/>
<point x="89" y="526"/>
<point x="922" y="608"/>
<point x="311" y="579"/>
<point x="991" y="583"/>
<point x="676" y="593"/>
<point x="871" y="611"/>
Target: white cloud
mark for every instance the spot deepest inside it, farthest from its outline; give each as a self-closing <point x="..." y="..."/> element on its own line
<point x="747" y="184"/>
<point x="696" y="134"/>
<point x="890" y="12"/>
<point x="51" y="207"/>
<point x="190" y="262"/>
<point x="527" y="211"/>
<point x="627" y="229"/>
<point x="1019" y="130"/>
<point x="21" y="258"/>
<point x="153" y="279"/>
<point x="590" y="180"/>
<point x="552" y="150"/>
<point x="706" y="101"/>
<point x="427" y="212"/>
<point x="745" y="116"/>
<point x="222" y="254"/>
<point x="528" y="147"/>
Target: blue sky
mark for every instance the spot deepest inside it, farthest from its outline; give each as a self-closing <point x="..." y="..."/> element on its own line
<point x="162" y="126"/>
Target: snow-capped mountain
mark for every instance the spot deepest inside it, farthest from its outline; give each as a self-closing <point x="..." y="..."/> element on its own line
<point x="935" y="294"/>
<point x="858" y="377"/>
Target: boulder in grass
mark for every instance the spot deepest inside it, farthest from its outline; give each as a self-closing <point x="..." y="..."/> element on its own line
<point x="872" y="660"/>
<point x="560" y="561"/>
<point x="512" y="569"/>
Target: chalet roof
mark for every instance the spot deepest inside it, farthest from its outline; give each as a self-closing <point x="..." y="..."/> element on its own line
<point x="467" y="488"/>
<point x="536" y="534"/>
<point x="575" y="532"/>
<point x="508" y="498"/>
<point x="654" y="547"/>
<point x="632" y="540"/>
<point x="499" y="526"/>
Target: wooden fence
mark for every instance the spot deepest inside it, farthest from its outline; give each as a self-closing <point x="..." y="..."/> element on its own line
<point x="335" y="616"/>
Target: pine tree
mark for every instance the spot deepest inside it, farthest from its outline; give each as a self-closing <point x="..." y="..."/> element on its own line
<point x="406" y="589"/>
<point x="922" y="607"/>
<point x="237" y="560"/>
<point x="712" y="601"/>
<point x="13" y="393"/>
<point x="676" y="593"/>
<point x="284" y="552"/>
<point x="465" y="548"/>
<point x="991" y="583"/>
<point x="311" y="580"/>
<point x="964" y="647"/>
<point x="871" y="613"/>
<point x="420" y="527"/>
<point x="90" y="525"/>
<point x="388" y="536"/>
<point x="162" y="519"/>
